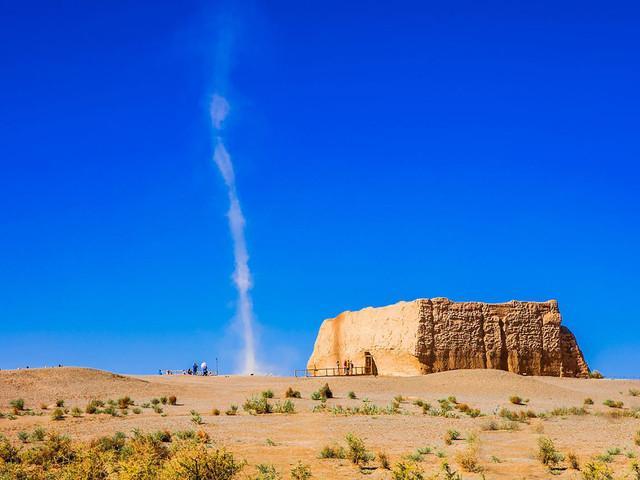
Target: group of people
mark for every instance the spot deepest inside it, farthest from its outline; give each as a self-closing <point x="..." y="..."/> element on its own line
<point x="347" y="367"/>
<point x="204" y="370"/>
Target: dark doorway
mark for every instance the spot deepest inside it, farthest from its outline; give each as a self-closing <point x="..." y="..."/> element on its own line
<point x="369" y="365"/>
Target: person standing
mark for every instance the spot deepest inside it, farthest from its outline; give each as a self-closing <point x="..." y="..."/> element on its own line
<point x="195" y="368"/>
<point x="204" y="368"/>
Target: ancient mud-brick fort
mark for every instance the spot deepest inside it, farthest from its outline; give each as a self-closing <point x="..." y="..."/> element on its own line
<point x="434" y="335"/>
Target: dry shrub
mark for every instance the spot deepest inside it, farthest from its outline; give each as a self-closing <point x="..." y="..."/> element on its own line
<point x="407" y="470"/>
<point x="173" y="400"/>
<point x="197" y="462"/>
<point x="383" y="458"/>
<point x="468" y="459"/>
<point x="597" y="470"/>
<point x="573" y="461"/>
<point x="547" y="453"/>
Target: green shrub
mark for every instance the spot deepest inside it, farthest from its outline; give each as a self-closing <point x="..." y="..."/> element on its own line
<point x="185" y="435"/>
<point x="137" y="410"/>
<point x="38" y="434"/>
<point x="57" y="414"/>
<point x="330" y="451"/>
<point x="316" y="396"/>
<point x="407" y="470"/>
<point x="173" y="400"/>
<point x="115" y="443"/>
<point x="164" y="400"/>
<point x="352" y="396"/>
<point x="291" y="393"/>
<point x="59" y="403"/>
<point x="301" y="472"/>
<point x="155" y="401"/>
<point x="357" y="452"/>
<point x="285" y="407"/>
<point x="158" y="409"/>
<point x="76" y="412"/>
<point x="257" y="405"/>
<point x="267" y="394"/>
<point x="266" y="472"/>
<point x="613" y="403"/>
<point x="449" y="474"/>
<point x="547" y="453"/>
<point x="636" y="438"/>
<point x="23" y="437"/>
<point x="595" y="470"/>
<point x="196" y="418"/>
<point x="450" y="436"/>
<point x="17" y="404"/>
<point x="233" y="410"/>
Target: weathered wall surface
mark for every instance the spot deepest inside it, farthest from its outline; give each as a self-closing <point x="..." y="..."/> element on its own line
<point x="434" y="335"/>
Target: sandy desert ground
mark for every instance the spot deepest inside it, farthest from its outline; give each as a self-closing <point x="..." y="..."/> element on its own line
<point x="282" y="439"/>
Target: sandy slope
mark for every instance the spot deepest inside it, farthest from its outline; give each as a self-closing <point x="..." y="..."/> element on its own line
<point x="302" y="435"/>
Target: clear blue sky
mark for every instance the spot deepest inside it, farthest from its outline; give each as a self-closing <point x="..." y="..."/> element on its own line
<point x="384" y="151"/>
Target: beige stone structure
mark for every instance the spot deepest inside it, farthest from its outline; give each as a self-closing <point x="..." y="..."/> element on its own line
<point x="434" y="335"/>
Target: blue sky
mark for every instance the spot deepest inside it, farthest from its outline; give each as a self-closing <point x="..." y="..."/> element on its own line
<point x="474" y="150"/>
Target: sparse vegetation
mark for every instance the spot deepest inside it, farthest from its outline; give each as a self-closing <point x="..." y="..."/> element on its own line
<point x="636" y="438"/>
<point x="60" y="403"/>
<point x="547" y="453"/>
<point x="634" y="392"/>
<point x="325" y="391"/>
<point x="352" y="396"/>
<point x="613" y="403"/>
<point x="301" y="472"/>
<point x="267" y="394"/>
<point x="137" y="410"/>
<point x="164" y="400"/>
<point x="493" y="425"/>
<point x="357" y="452"/>
<point x="588" y="401"/>
<point x="468" y="459"/>
<point x="232" y="410"/>
<point x="124" y="403"/>
<point x="57" y="414"/>
<point x="285" y="407"/>
<point x="572" y="460"/>
<point x="38" y="434"/>
<point x="596" y="374"/>
<point x="450" y="436"/>
<point x="291" y="393"/>
<point x="76" y="412"/>
<point x="23" y="436"/>
<point x="266" y="472"/>
<point x="596" y="470"/>
<point x="196" y="418"/>
<point x="333" y="451"/>
<point x="407" y="470"/>
<point x="516" y="400"/>
<point x="215" y="412"/>
<point x="17" y="404"/>
<point x="257" y="405"/>
<point x="383" y="458"/>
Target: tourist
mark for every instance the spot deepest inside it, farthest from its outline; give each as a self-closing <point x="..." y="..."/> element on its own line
<point x="338" y="365"/>
<point x="351" y="369"/>
<point x="195" y="368"/>
<point x="204" y="368"/>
